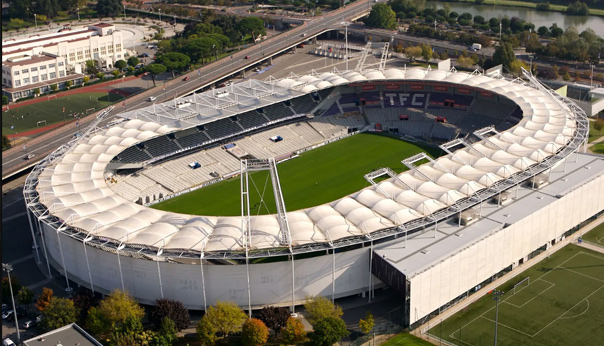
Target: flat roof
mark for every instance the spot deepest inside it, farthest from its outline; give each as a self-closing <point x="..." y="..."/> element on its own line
<point x="422" y="250"/>
<point x="48" y="37"/>
<point x="71" y="334"/>
<point x="32" y="60"/>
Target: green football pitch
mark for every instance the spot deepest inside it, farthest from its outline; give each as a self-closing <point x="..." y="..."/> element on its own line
<point x="48" y="112"/>
<point x="561" y="304"/>
<point x="596" y="235"/>
<point x="316" y="177"/>
<point x="405" y="339"/>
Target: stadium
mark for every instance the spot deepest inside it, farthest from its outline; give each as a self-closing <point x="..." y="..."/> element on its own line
<point x="504" y="143"/>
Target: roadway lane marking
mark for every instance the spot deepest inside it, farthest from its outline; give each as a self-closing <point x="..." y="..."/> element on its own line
<point x="39" y="284"/>
<point x="14" y="216"/>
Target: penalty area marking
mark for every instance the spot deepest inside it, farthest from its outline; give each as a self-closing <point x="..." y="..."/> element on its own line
<point x="530" y="300"/>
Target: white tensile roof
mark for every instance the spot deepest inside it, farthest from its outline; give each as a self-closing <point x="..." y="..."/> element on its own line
<point x="74" y="188"/>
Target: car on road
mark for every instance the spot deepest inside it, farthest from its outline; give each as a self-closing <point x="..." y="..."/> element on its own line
<point x="30" y="156"/>
<point x="6" y="314"/>
<point x="7" y="342"/>
<point x="304" y="35"/>
<point x="152" y="98"/>
<point x="186" y="78"/>
<point x="257" y="69"/>
<point x="11" y="317"/>
<point x="247" y="57"/>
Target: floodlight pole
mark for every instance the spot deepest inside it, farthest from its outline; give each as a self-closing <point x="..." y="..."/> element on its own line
<point x="8" y="268"/>
<point x="496" y="295"/>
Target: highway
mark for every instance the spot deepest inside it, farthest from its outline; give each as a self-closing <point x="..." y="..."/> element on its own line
<point x="13" y="160"/>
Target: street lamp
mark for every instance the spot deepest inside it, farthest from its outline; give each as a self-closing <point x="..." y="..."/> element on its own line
<point x="36" y="20"/>
<point x="124" y="12"/>
<point x="531" y="57"/>
<point x="500" y="26"/>
<point x="214" y="49"/>
<point x="8" y="268"/>
<point x="496" y="295"/>
<point x="591" y="77"/>
<point x="159" y="11"/>
<point x="346" y="24"/>
<point x="78" y="14"/>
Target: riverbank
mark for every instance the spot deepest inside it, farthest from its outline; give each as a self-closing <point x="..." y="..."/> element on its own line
<point x="512" y="3"/>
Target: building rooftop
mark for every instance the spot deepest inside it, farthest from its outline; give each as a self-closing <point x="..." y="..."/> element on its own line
<point x="422" y="250"/>
<point x="102" y="25"/>
<point x="71" y="334"/>
<point x="70" y="76"/>
<point x="46" y="38"/>
<point x="28" y="60"/>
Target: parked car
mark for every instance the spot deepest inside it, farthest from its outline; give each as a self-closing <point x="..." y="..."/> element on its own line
<point x="6" y="314"/>
<point x="186" y="78"/>
<point x="7" y="342"/>
<point x="11" y="317"/>
<point x="29" y="324"/>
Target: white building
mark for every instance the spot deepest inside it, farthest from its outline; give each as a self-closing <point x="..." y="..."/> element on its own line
<point x="42" y="60"/>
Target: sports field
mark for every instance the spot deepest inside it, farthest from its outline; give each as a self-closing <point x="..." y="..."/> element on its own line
<point x="317" y="176"/>
<point x="596" y="235"/>
<point x="561" y="304"/>
<point x="25" y="118"/>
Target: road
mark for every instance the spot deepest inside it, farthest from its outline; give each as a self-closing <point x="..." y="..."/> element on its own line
<point x="15" y="159"/>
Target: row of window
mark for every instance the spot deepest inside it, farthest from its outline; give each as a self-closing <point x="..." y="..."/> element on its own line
<point x="35" y="69"/>
<point x="36" y="79"/>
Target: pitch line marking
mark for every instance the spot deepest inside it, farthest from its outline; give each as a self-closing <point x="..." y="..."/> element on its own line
<point x="579" y="273"/>
<point x="587" y="301"/>
<point x="508" y="327"/>
<point x="530" y="300"/>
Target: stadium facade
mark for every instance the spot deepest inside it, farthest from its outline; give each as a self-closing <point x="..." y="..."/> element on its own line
<point x="97" y="232"/>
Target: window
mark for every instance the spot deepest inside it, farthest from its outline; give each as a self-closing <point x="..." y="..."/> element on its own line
<point x="17" y="83"/>
<point x="24" y="71"/>
<point x="43" y="67"/>
<point x="16" y="73"/>
<point x="53" y="75"/>
<point x="80" y="55"/>
<point x="103" y="51"/>
<point x="87" y="53"/>
<point x="71" y="56"/>
<point x="4" y="82"/>
<point x="119" y="56"/>
<point x="118" y="47"/>
<point x="25" y="81"/>
<point x="60" y="63"/>
<point x="110" y="49"/>
<point x="34" y="69"/>
<point x="61" y="73"/>
<point x="34" y="79"/>
<point x="95" y="50"/>
<point x="44" y="77"/>
<point x="51" y="65"/>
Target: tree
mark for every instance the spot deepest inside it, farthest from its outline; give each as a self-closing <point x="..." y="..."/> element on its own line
<point x="100" y="76"/>
<point x="54" y="87"/>
<point x="120" y="64"/>
<point x="6" y="286"/>
<point x="36" y="91"/>
<point x="85" y="79"/>
<point x="381" y="16"/>
<point x="254" y="332"/>
<point x="4" y="100"/>
<point x="274" y="317"/>
<point x="172" y="309"/>
<point x="226" y="317"/>
<point x="133" y="61"/>
<point x="319" y="308"/>
<point x="517" y="65"/>
<point x="113" y="312"/>
<point x="109" y="8"/>
<point x="413" y="52"/>
<point x="599" y="125"/>
<point x="25" y="296"/>
<point x="5" y="145"/>
<point x="443" y="56"/>
<point x="367" y="324"/>
<point x="293" y="332"/>
<point x="174" y="61"/>
<point x="577" y="8"/>
<point x="328" y="331"/>
<point x="91" y="67"/>
<point x="115" y="73"/>
<point x="48" y="8"/>
<point x="543" y="31"/>
<point x="252" y="26"/>
<point x="83" y="300"/>
<point x="426" y="52"/>
<point x="555" y="30"/>
<point x="68" y="84"/>
<point x="59" y="312"/>
<point x="206" y="330"/>
<point x="544" y="6"/>
<point x="167" y="331"/>
<point x="154" y="70"/>
<point x="465" y="62"/>
<point x="44" y="299"/>
<point x="504" y="55"/>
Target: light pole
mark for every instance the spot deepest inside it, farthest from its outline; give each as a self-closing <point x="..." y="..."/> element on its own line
<point x="500" y="26"/>
<point x="496" y="295"/>
<point x="36" y="20"/>
<point x="159" y="11"/>
<point x="124" y="12"/>
<point x="214" y="49"/>
<point x="434" y="24"/>
<point x="346" y="24"/>
<point x="531" y="57"/>
<point x="8" y="268"/>
<point x="78" y="14"/>
<point x="591" y="77"/>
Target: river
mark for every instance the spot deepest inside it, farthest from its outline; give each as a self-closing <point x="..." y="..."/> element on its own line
<point x="539" y="18"/>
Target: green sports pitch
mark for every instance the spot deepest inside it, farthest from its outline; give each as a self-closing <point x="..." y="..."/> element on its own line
<point x="561" y="304"/>
<point x="48" y="112"/>
<point x="318" y="176"/>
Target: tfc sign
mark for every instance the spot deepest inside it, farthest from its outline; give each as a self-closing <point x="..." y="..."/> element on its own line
<point x="405" y="99"/>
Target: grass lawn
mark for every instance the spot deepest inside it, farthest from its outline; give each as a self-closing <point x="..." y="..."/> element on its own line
<point x="598" y="148"/>
<point x="593" y="134"/>
<point x="563" y="304"/>
<point x="596" y="235"/>
<point x="27" y="117"/>
<point x="405" y="339"/>
<point x="316" y="177"/>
